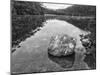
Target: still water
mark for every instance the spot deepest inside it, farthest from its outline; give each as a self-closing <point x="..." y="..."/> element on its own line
<point x="33" y="55"/>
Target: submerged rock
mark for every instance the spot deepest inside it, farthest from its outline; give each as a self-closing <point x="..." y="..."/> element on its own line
<point x="61" y="45"/>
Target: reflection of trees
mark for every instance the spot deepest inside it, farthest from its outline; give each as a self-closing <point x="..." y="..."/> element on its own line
<point x="91" y="61"/>
<point x="24" y="20"/>
<point x="64" y="61"/>
<point x="22" y="27"/>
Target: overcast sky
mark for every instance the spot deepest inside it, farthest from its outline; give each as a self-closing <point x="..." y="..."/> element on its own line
<point x="55" y="6"/>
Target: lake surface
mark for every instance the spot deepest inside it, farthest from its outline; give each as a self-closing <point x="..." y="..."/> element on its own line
<point x="32" y="55"/>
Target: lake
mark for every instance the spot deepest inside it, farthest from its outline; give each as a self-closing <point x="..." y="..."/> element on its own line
<point x="32" y="55"/>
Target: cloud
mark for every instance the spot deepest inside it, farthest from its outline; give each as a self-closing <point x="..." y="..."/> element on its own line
<point x="55" y="6"/>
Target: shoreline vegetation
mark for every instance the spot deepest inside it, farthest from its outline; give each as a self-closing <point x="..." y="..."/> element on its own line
<point x="25" y="20"/>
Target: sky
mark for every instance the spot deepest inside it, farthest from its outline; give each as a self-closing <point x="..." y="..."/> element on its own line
<point x="55" y="6"/>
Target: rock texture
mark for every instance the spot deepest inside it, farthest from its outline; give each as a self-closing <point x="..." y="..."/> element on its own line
<point x="61" y="45"/>
<point x="87" y="43"/>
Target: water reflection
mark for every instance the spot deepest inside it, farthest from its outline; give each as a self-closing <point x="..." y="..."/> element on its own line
<point x="36" y="36"/>
<point x="64" y="61"/>
<point x="91" y="61"/>
<point x="23" y="27"/>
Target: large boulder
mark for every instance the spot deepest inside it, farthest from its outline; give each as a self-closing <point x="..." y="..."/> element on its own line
<point x="61" y="45"/>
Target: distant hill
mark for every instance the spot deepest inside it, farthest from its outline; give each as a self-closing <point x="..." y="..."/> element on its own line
<point x="79" y="10"/>
<point x="75" y="10"/>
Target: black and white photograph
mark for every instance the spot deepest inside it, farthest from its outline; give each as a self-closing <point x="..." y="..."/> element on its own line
<point x="52" y="37"/>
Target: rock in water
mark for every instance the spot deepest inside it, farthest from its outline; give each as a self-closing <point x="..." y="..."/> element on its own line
<point x="61" y="45"/>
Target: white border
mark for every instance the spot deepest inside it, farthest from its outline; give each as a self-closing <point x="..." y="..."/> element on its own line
<point x="5" y="37"/>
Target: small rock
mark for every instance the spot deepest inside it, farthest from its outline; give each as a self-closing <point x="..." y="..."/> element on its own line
<point x="61" y="45"/>
<point x="13" y="50"/>
<point x="87" y="42"/>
